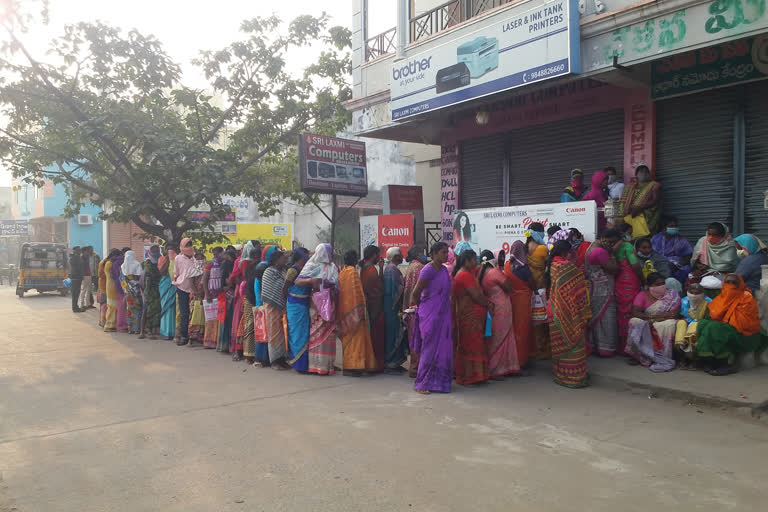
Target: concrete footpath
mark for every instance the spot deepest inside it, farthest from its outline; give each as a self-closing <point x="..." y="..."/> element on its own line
<point x="745" y="391"/>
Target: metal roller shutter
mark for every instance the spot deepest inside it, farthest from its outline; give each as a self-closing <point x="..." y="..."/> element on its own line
<point x="482" y="172"/>
<point x="756" y="157"/>
<point x="541" y="157"/>
<point x="694" y="158"/>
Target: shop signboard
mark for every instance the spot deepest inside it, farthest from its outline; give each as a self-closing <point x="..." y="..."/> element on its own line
<point x="716" y="66"/>
<point x="330" y="165"/>
<point x="280" y="234"/>
<point x="14" y="228"/>
<point x="498" y="228"/>
<point x="387" y="231"/>
<point x="705" y="24"/>
<point x="534" y="41"/>
<point x="225" y="226"/>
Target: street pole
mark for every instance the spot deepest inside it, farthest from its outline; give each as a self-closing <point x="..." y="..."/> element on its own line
<point x="333" y="223"/>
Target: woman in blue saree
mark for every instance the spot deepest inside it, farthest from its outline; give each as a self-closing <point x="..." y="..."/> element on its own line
<point x="298" y="295"/>
<point x="167" y="295"/>
<point x="397" y="345"/>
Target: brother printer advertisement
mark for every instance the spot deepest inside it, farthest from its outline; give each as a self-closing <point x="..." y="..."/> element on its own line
<point x="530" y="42"/>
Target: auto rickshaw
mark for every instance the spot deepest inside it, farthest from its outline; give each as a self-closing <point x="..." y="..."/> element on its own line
<point x="42" y="267"/>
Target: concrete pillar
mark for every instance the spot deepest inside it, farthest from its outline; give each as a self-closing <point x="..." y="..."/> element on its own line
<point x="402" y="27"/>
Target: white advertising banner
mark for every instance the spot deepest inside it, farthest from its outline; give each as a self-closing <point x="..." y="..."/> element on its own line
<point x="498" y="228"/>
<point x="532" y="41"/>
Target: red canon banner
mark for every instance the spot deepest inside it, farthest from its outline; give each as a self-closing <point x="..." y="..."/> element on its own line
<point x="395" y="231"/>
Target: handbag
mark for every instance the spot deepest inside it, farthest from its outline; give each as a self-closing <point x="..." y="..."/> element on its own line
<point x="260" y="325"/>
<point x="538" y="307"/>
<point x="639" y="226"/>
<point x="211" y="310"/>
<point x="324" y="303"/>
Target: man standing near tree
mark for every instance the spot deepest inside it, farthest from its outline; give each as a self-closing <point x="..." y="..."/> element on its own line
<point x="85" y="288"/>
<point x="76" y="276"/>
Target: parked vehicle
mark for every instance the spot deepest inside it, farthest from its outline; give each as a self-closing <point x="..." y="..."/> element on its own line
<point x="42" y="267"/>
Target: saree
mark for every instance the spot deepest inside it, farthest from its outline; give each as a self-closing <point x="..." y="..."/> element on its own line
<point x="167" y="304"/>
<point x="636" y="194"/>
<point x="297" y="313"/>
<point x="134" y="302"/>
<point x="652" y="343"/>
<point x="260" y="348"/>
<point x="468" y="330"/>
<point x="102" y="293"/>
<point x="432" y="332"/>
<point x="570" y="313"/>
<point x="152" y="305"/>
<point x="537" y="263"/>
<point x="274" y="307"/>
<point x="520" y="300"/>
<point x="225" y="312"/>
<point x="396" y="344"/>
<point x="411" y="278"/>
<point x="122" y="307"/>
<point x="353" y="323"/>
<point x="603" y="336"/>
<point x="502" y="346"/>
<point x="196" y="328"/>
<point x="237" y="314"/>
<point x="373" y="287"/>
<point x="245" y="326"/>
<point x="110" y="315"/>
<point x="626" y="288"/>
<point x="721" y="257"/>
<point x="322" y="344"/>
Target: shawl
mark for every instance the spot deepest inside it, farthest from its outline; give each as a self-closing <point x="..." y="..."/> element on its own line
<point x="518" y="255"/>
<point x="563" y="234"/>
<point x="751" y="243"/>
<point x="654" y="262"/>
<point x="187" y="251"/>
<point x="215" y="282"/>
<point x="720" y="257"/>
<point x="736" y="306"/>
<point x="272" y="287"/>
<point x="352" y="306"/>
<point x="320" y="265"/>
<point x="596" y="192"/>
<point x="569" y="300"/>
<point x="130" y="266"/>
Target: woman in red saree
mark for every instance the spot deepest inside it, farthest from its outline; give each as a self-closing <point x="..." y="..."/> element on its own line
<point x="469" y="314"/>
<point x="519" y="275"/>
<point x="373" y="287"/>
<point x="569" y="314"/>
<point x="502" y="346"/>
<point x="628" y="284"/>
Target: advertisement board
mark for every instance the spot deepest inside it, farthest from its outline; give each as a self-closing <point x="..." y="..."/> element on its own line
<point x="281" y="234"/>
<point x="14" y="228"/>
<point x="225" y="226"/>
<point x="498" y="228"/>
<point x="533" y="41"/>
<point x="330" y="165"/>
<point x="386" y="231"/>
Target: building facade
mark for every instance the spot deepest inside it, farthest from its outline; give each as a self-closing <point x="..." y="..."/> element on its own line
<point x="517" y="93"/>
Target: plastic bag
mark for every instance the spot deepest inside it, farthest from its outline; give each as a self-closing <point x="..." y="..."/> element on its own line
<point x="488" y="324"/>
<point x="260" y="325"/>
<point x="211" y="310"/>
<point x="538" y="307"/>
<point x="324" y="303"/>
<point x="639" y="226"/>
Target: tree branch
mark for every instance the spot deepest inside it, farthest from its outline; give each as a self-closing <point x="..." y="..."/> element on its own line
<point x="292" y="132"/>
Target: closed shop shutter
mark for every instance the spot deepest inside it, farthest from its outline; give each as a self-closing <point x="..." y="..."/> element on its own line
<point x="541" y="157"/>
<point x="126" y="235"/>
<point x="756" y="157"/>
<point x="482" y="172"/>
<point x="694" y="158"/>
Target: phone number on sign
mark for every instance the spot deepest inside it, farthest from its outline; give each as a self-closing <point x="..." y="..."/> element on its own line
<point x="541" y="73"/>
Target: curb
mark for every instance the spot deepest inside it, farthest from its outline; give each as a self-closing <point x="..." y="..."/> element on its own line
<point x="753" y="409"/>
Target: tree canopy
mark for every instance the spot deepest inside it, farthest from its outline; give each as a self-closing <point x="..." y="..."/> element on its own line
<point x="107" y="114"/>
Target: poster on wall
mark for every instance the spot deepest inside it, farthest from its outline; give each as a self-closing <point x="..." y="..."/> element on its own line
<point x="281" y="234"/>
<point x="330" y="165"/>
<point x="498" y="228"/>
<point x="533" y="41"/>
<point x="387" y="231"/>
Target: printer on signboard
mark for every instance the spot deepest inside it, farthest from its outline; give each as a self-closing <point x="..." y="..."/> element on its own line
<point x="481" y="55"/>
<point x="452" y="77"/>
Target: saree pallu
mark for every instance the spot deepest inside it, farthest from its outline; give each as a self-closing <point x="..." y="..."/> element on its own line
<point x="122" y="311"/>
<point x="152" y="303"/>
<point x="168" y="307"/>
<point x="134" y="304"/>
<point x="261" y="347"/>
<point x="537" y="263"/>
<point x="245" y="330"/>
<point x="432" y="332"/>
<point x="275" y="334"/>
<point x="570" y="312"/>
<point x="102" y="309"/>
<point x="212" y="332"/>
<point x="603" y="336"/>
<point x="355" y="336"/>
<point x="225" y="326"/>
<point x="298" y="332"/>
<point x="196" y="320"/>
<point x="322" y="344"/>
<point x="469" y="327"/>
<point x="626" y="289"/>
<point x="722" y="342"/>
<point x="502" y="345"/>
<point x="652" y="343"/>
<point x="373" y="288"/>
<point x="520" y="300"/>
<point x="237" y="314"/>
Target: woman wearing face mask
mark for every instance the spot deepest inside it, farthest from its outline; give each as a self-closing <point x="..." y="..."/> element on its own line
<point x="753" y="254"/>
<point x="692" y="308"/>
<point x="628" y="283"/>
<point x="652" y="327"/>
<point x="537" y="264"/>
<point x="574" y="191"/>
<point x="643" y="198"/>
<point x="676" y="249"/>
<point x="615" y="186"/>
<point x="732" y="327"/>
<point x="655" y="262"/>
<point x="598" y="193"/>
<point x="716" y="251"/>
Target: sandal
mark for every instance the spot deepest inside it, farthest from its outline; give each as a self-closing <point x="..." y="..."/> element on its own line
<point x="423" y="391"/>
<point x="723" y="370"/>
<point x="258" y="364"/>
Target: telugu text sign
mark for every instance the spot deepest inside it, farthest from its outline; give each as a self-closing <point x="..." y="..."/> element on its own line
<point x="498" y="228"/>
<point x="330" y="165"/>
<point x="526" y="45"/>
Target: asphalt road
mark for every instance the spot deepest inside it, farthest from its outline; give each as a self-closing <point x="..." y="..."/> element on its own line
<point x="97" y="422"/>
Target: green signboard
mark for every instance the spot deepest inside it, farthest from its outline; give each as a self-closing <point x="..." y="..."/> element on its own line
<point x="725" y="64"/>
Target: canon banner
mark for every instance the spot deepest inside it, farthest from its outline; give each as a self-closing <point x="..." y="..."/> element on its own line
<point x="498" y="228"/>
<point x="329" y="165"/>
<point x="386" y="231"/>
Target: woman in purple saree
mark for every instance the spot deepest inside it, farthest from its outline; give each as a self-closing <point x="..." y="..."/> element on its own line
<point x="432" y="336"/>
